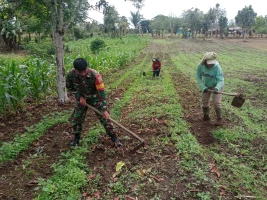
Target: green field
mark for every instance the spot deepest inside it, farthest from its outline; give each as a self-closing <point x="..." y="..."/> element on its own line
<point x="184" y="158"/>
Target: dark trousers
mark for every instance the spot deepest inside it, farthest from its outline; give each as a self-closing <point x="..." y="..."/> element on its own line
<point x="80" y="114"/>
<point x="156" y="73"/>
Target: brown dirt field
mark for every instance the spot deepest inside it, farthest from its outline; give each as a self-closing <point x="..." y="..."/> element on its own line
<point x="254" y="43"/>
<point x="18" y="183"/>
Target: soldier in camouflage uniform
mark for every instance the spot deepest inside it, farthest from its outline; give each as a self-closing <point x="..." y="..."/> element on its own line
<point x="87" y="86"/>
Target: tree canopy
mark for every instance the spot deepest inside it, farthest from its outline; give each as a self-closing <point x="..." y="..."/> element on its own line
<point x="193" y="19"/>
<point x="246" y="18"/>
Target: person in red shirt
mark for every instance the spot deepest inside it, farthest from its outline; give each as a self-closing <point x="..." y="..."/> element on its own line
<point x="156" y="66"/>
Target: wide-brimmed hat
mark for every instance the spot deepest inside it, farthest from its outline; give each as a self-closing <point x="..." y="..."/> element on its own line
<point x="210" y="57"/>
<point x="211" y="62"/>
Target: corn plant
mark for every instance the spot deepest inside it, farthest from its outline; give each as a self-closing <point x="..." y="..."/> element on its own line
<point x="40" y="75"/>
<point x="34" y="79"/>
<point x="13" y="86"/>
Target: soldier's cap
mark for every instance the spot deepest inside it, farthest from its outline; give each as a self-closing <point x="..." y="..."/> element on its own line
<point x="80" y="64"/>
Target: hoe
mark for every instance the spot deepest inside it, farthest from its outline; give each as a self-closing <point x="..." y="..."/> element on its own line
<point x="238" y="100"/>
<point x="142" y="144"/>
<point x="144" y="73"/>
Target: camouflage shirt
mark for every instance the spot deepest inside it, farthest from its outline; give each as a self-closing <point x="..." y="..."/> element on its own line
<point x="91" y="87"/>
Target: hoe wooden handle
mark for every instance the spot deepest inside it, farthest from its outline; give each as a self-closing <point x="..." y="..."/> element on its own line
<point x="124" y="128"/>
<point x="229" y="94"/>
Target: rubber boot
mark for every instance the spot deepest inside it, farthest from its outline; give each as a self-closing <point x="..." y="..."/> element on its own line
<point x="115" y="140"/>
<point x="206" y="112"/>
<point x="76" y="140"/>
<point x="219" y="117"/>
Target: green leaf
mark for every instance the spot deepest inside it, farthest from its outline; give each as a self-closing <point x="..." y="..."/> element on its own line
<point x="119" y="165"/>
<point x="3" y="31"/>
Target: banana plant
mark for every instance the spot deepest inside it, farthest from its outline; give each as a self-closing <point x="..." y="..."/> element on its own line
<point x="9" y="31"/>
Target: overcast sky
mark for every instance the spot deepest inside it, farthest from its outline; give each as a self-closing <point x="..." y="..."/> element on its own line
<point x="153" y="8"/>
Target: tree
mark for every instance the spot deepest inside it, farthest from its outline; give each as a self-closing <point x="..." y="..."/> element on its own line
<point x="9" y="24"/>
<point x="184" y="31"/>
<point x="217" y="13"/>
<point x="35" y="17"/>
<point x="223" y="21"/>
<point x="62" y="14"/>
<point x="111" y="21"/>
<point x="144" y="26"/>
<point x="9" y="31"/>
<point x="260" y="25"/>
<point x="208" y="20"/>
<point x="246" y="19"/>
<point x="138" y="4"/>
<point x="123" y="24"/>
<point x="176" y="23"/>
<point x="159" y="23"/>
<point x="193" y="19"/>
<point x="92" y="26"/>
<point x="171" y="24"/>
<point x="135" y="18"/>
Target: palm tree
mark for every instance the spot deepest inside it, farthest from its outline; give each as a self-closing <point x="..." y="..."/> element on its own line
<point x="135" y="18"/>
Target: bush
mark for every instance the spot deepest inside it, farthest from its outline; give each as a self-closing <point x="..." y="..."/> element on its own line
<point x="97" y="45"/>
<point x="261" y="30"/>
<point x="79" y="33"/>
<point x="51" y="50"/>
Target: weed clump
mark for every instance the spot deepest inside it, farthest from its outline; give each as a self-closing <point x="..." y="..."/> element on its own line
<point x="97" y="45"/>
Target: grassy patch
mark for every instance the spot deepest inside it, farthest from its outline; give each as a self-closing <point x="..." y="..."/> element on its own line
<point x="9" y="150"/>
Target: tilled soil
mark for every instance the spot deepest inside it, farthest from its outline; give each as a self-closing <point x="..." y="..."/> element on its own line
<point x="18" y="177"/>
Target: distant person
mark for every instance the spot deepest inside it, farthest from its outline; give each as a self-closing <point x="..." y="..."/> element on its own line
<point x="156" y="66"/>
<point x="210" y="76"/>
<point x="87" y="86"/>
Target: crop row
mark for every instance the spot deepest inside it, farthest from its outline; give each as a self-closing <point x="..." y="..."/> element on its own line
<point x="34" y="79"/>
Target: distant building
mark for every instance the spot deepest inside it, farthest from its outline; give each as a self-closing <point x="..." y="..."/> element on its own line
<point x="234" y="30"/>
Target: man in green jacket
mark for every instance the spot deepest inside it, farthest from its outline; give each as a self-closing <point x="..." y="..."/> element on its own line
<point x="210" y="76"/>
<point x="87" y="86"/>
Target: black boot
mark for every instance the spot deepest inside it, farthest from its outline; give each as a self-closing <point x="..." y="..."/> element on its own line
<point x="76" y="140"/>
<point x="219" y="121"/>
<point x="206" y="112"/>
<point x="115" y="140"/>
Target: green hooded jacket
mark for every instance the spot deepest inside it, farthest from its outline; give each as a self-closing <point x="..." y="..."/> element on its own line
<point x="210" y="78"/>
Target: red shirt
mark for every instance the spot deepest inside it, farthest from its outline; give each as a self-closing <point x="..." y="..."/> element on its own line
<point x="156" y="65"/>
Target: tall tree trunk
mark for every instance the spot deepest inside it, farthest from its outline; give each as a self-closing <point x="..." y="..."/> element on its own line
<point x="61" y="81"/>
<point x="171" y="28"/>
<point x="244" y="35"/>
<point x="58" y="32"/>
<point x="5" y="40"/>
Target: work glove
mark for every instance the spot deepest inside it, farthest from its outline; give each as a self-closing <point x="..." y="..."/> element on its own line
<point x="215" y="91"/>
<point x="205" y="90"/>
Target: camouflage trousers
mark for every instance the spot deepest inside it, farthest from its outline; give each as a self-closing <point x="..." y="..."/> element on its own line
<point x="80" y="114"/>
